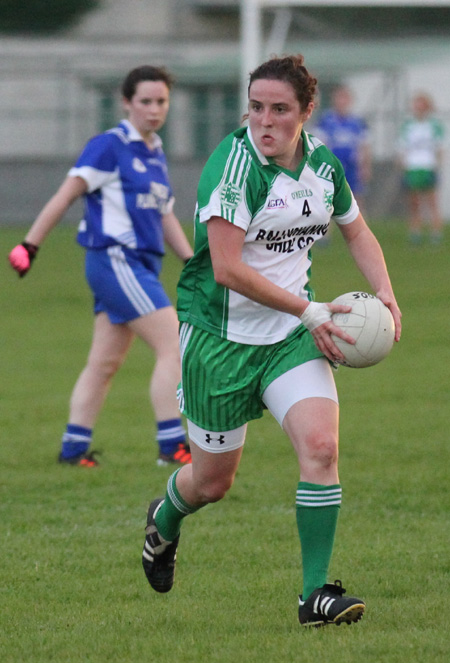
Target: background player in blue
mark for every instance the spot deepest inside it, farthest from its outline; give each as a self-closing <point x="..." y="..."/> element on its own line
<point x="346" y="135"/>
<point x="123" y="177"/>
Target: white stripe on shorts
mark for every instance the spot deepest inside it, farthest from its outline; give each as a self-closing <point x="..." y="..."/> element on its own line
<point x="129" y="283"/>
<point x="313" y="379"/>
<point x="185" y="335"/>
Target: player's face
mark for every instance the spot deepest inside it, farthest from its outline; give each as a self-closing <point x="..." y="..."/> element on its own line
<point x="148" y="107"/>
<point x="276" y="120"/>
<point x="342" y="101"/>
<point x="420" y="106"/>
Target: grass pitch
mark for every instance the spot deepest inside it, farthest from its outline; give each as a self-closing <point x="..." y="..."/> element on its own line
<point x="72" y="586"/>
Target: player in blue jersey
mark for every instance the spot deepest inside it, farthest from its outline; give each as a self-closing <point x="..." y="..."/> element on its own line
<point x="346" y="135"/>
<point x="122" y="175"/>
<point x="253" y="338"/>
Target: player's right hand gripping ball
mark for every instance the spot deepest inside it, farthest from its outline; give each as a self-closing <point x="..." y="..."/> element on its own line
<point x="22" y="256"/>
<point x="372" y="326"/>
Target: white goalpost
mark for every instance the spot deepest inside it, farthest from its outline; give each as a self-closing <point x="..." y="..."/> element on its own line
<point x="251" y="39"/>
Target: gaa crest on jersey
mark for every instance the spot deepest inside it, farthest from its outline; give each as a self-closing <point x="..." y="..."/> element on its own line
<point x="328" y="200"/>
<point x="138" y="166"/>
<point x="277" y="203"/>
<point x="230" y="195"/>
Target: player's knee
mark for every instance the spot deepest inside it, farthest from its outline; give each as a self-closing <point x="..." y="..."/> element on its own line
<point x="169" y="356"/>
<point x="215" y="490"/>
<point x="324" y="449"/>
<point x="107" y="368"/>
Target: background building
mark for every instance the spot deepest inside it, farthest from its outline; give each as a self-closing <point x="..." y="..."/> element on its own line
<point x="56" y="92"/>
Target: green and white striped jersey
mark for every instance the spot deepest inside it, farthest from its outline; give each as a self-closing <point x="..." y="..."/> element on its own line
<point x="282" y="212"/>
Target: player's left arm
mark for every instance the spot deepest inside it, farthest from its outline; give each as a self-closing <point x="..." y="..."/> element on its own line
<point x="368" y="255"/>
<point x="175" y="237"/>
<point x="226" y="242"/>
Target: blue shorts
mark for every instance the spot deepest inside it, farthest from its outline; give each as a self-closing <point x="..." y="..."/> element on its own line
<point x="125" y="282"/>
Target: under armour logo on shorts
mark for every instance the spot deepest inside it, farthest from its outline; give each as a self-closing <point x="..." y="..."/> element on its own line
<point x="220" y="439"/>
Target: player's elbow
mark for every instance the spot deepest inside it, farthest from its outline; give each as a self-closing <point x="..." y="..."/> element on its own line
<point x="223" y="275"/>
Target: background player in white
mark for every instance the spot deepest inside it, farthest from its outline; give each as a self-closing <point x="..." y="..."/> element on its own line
<point x="420" y="156"/>
<point x="122" y="175"/>
<point x="265" y="196"/>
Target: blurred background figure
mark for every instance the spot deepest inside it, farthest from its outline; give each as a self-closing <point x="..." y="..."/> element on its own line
<point x="347" y="135"/>
<point x="420" y="156"/>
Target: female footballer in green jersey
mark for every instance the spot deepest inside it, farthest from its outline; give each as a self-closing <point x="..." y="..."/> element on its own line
<point x="421" y="155"/>
<point x="251" y="335"/>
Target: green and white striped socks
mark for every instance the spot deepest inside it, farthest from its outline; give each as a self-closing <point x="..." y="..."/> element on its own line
<point x="317" y="514"/>
<point x="172" y="511"/>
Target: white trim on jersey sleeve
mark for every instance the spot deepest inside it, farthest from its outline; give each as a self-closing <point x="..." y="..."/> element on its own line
<point x="348" y="217"/>
<point x="94" y="178"/>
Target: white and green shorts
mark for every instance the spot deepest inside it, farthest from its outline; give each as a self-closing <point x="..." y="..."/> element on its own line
<point x="226" y="384"/>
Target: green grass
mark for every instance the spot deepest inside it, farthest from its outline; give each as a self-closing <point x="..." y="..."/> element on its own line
<point x="72" y="587"/>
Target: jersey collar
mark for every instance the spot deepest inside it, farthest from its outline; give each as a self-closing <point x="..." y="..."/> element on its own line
<point x="251" y="143"/>
<point x="134" y="135"/>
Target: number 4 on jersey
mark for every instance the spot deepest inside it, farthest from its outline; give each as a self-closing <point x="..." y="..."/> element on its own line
<point x="306" y="209"/>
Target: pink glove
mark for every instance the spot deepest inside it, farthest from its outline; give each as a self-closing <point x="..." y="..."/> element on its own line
<point x="22" y="256"/>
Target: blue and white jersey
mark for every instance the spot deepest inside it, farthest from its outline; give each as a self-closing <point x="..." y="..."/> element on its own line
<point x="344" y="135"/>
<point x="128" y="191"/>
